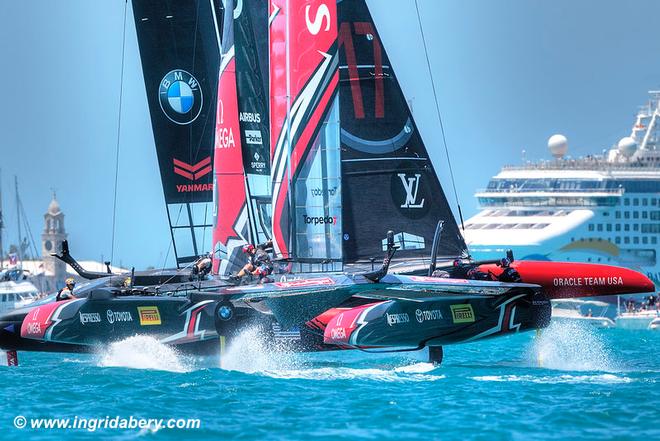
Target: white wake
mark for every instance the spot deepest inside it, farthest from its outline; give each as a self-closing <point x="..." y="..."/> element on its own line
<point x="143" y="352"/>
<point x="571" y="346"/>
<point x="250" y="353"/>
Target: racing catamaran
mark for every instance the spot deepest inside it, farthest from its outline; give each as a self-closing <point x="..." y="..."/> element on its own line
<point x="330" y="166"/>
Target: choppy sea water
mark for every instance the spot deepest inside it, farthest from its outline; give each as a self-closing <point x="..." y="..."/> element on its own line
<point x="591" y="384"/>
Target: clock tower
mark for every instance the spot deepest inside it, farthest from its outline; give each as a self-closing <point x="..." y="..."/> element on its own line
<point x="51" y="242"/>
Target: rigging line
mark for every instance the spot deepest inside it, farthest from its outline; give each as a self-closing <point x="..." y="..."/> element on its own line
<point x="26" y="223"/>
<point x="437" y="109"/>
<point x="121" y="95"/>
<point x="172" y="243"/>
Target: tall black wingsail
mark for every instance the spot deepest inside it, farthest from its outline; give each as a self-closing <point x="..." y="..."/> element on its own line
<point x="180" y="56"/>
<point x="388" y="179"/>
<point x="251" y="46"/>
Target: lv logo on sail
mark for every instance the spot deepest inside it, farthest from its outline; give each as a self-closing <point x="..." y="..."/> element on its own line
<point x="411" y="185"/>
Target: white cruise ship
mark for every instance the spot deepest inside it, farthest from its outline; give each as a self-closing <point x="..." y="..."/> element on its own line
<point x="601" y="209"/>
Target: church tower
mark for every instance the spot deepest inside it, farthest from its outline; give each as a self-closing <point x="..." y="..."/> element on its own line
<point x="51" y="242"/>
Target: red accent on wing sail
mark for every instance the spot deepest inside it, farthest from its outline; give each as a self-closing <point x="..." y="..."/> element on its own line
<point x="228" y="160"/>
<point x="311" y="26"/>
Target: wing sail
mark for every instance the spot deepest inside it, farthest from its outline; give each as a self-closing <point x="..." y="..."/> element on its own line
<point x="305" y="150"/>
<point x="389" y="182"/>
<point x="180" y="58"/>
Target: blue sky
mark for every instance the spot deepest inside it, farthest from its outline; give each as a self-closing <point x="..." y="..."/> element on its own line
<point x="509" y="74"/>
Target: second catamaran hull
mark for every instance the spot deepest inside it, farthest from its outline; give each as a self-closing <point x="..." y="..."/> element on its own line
<point x="425" y="311"/>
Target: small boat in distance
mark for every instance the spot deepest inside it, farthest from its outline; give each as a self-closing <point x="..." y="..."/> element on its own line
<point x="16" y="291"/>
<point x="573" y="311"/>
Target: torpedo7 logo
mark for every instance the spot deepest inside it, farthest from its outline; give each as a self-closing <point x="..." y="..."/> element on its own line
<point x="411" y="186"/>
<point x="319" y="220"/>
<point x="193" y="172"/>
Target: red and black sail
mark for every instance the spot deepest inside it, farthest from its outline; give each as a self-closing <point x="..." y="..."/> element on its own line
<point x="388" y="179"/>
<point x="305" y="151"/>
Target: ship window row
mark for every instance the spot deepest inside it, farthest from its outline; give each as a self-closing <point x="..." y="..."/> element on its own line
<point x="546" y="184"/>
<point x="653" y="240"/>
<point x="653" y="215"/>
<point x="528" y="226"/>
<point x="523" y="213"/>
<point x="645" y="228"/>
<point x="636" y="240"/>
<point x="543" y="184"/>
<point x="548" y="202"/>
<point x="644" y="202"/>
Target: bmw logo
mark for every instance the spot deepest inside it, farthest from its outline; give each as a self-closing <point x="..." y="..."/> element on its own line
<point x="180" y="97"/>
<point x="225" y="312"/>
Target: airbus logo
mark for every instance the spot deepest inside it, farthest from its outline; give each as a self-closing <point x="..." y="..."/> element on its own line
<point x="180" y="97"/>
<point x="411" y="187"/>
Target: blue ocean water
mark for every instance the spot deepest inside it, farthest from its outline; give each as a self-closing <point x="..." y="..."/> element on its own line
<point x="592" y="384"/>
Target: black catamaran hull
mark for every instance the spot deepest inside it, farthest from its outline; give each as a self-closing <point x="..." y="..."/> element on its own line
<point x="427" y="312"/>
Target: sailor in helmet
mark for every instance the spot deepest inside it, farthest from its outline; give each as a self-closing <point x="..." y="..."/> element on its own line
<point x="66" y="293"/>
<point x="509" y="274"/>
<point x="259" y="263"/>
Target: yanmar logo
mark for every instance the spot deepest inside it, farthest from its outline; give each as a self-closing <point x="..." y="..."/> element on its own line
<point x="149" y="315"/>
<point x="193" y="172"/>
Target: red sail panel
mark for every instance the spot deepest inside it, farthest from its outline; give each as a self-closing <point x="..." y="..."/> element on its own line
<point x="230" y="229"/>
<point x="303" y="85"/>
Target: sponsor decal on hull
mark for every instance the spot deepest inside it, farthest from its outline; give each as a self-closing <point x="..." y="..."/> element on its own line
<point x="437" y="280"/>
<point x="587" y="281"/>
<point x="397" y="319"/>
<point x="89" y="317"/>
<point x="149" y="315"/>
<point x="462" y="313"/>
<point x="422" y="315"/>
<point x="118" y="316"/>
<point x="305" y="283"/>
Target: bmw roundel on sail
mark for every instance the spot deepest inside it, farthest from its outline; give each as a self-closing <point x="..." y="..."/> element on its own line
<point x="180" y="96"/>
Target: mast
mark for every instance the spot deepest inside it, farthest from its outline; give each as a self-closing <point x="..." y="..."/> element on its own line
<point x="2" y="226"/>
<point x="231" y="226"/>
<point x="18" y="223"/>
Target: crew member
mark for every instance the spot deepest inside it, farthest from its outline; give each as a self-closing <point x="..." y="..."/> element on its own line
<point x="459" y="270"/>
<point x="441" y="274"/>
<point x="475" y="274"/>
<point x="508" y="274"/>
<point x="259" y="262"/>
<point x="66" y="293"/>
<point x="203" y="266"/>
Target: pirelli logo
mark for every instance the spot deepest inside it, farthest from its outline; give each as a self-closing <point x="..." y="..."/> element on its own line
<point x="462" y="313"/>
<point x="149" y="315"/>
